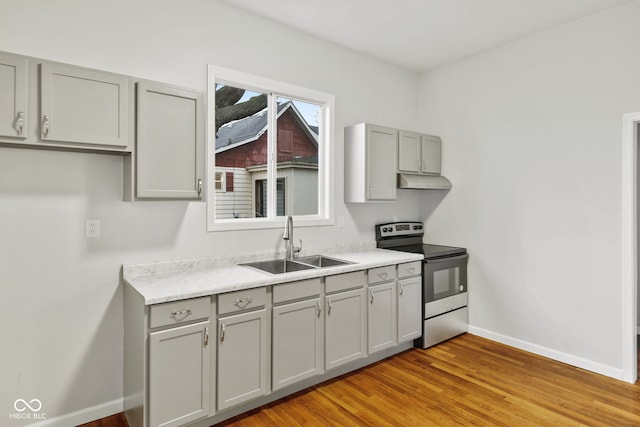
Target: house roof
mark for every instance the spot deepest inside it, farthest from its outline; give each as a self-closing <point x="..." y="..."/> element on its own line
<point x="243" y="131"/>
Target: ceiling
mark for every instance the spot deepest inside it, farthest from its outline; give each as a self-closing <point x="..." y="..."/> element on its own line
<point x="421" y="34"/>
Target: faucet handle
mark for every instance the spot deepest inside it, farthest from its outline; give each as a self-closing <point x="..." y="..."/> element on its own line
<point x="297" y="249"/>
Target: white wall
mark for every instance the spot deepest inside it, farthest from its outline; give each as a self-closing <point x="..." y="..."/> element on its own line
<point x="532" y="137"/>
<point x="61" y="323"/>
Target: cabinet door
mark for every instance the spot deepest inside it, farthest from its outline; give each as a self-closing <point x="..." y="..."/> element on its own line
<point x="297" y="342"/>
<point x="170" y="142"/>
<point x="13" y="96"/>
<point x="431" y="147"/>
<point x="242" y="358"/>
<point x="83" y="106"/>
<point x="409" y="309"/>
<point x="345" y="327"/>
<point x="409" y="152"/>
<point x="382" y="316"/>
<point x="381" y="163"/>
<point x="179" y="375"/>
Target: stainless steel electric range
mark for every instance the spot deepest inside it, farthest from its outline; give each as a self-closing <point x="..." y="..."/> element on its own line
<point x="444" y="280"/>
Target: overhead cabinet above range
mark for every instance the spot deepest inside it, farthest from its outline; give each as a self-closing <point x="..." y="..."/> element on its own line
<point x="377" y="160"/>
<point x="418" y="153"/>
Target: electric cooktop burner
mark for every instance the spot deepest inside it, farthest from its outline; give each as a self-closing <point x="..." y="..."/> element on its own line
<point x="407" y="237"/>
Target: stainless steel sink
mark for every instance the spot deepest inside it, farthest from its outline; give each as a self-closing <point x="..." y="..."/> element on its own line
<point x="279" y="266"/>
<point x="321" y="261"/>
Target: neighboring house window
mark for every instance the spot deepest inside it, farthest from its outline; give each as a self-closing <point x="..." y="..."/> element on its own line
<point x="220" y="181"/>
<point x="261" y="197"/>
<point x="268" y="133"/>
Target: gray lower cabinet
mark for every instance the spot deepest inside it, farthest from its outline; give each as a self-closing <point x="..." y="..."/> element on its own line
<point x="382" y="313"/>
<point x="345" y="319"/>
<point x="381" y="308"/>
<point x="181" y="369"/>
<point x="170" y="144"/>
<point x="409" y="309"/>
<point x="409" y="301"/>
<point x="13" y="96"/>
<point x="178" y="372"/>
<point x="297" y="332"/>
<point x="242" y="358"/>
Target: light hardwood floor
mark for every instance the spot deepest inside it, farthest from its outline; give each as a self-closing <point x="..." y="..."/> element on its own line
<point x="465" y="381"/>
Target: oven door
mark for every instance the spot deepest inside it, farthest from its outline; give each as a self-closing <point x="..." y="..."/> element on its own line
<point x="445" y="277"/>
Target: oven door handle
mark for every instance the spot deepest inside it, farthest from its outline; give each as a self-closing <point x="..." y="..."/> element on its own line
<point x="446" y="259"/>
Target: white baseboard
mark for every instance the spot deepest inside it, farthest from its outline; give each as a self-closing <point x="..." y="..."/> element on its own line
<point x="83" y="416"/>
<point x="569" y="359"/>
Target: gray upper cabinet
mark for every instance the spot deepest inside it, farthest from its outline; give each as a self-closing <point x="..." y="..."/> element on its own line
<point x="418" y="154"/>
<point x="13" y="96"/>
<point x="409" y="152"/>
<point x="83" y="106"/>
<point x="430" y="154"/>
<point x="59" y="106"/>
<point x="370" y="163"/>
<point x="169" y="142"/>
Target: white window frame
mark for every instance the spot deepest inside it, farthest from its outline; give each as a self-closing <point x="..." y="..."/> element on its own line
<point x="325" y="215"/>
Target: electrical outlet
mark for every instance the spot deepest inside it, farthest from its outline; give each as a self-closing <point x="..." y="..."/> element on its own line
<point x="92" y="228"/>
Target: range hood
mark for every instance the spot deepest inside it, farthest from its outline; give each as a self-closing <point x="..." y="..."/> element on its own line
<point x="423" y="182"/>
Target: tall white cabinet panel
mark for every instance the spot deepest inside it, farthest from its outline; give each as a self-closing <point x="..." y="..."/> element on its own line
<point x="370" y="163"/>
<point x="345" y="327"/>
<point x="409" y="308"/>
<point x="297" y="342"/>
<point x="242" y="358"/>
<point x="178" y="375"/>
<point x="13" y="96"/>
<point x="409" y="149"/>
<point x="382" y="316"/>
<point x="431" y="154"/>
<point x="83" y="106"/>
<point x="170" y="142"/>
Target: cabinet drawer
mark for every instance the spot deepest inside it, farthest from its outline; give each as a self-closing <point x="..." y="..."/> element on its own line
<point x="296" y="290"/>
<point x="241" y="300"/>
<point x="409" y="269"/>
<point x="345" y="281"/>
<point x="176" y="312"/>
<point x="382" y="274"/>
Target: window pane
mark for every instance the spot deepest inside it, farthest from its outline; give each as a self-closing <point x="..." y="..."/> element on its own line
<point x="240" y="152"/>
<point x="297" y="158"/>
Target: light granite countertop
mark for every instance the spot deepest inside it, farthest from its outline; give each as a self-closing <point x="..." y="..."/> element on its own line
<point x="166" y="281"/>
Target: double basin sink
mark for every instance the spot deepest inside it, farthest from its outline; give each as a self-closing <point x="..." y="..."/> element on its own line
<point x="282" y="265"/>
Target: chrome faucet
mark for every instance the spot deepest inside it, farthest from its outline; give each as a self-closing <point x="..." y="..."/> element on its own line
<point x="288" y="239"/>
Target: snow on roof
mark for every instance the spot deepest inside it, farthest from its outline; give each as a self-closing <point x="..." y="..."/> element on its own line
<point x="249" y="129"/>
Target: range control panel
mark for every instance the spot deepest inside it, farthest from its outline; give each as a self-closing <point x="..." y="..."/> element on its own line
<point x="398" y="229"/>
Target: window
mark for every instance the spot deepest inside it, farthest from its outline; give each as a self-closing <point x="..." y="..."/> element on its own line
<point x="220" y="181"/>
<point x="270" y="146"/>
<point x="261" y="197"/>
